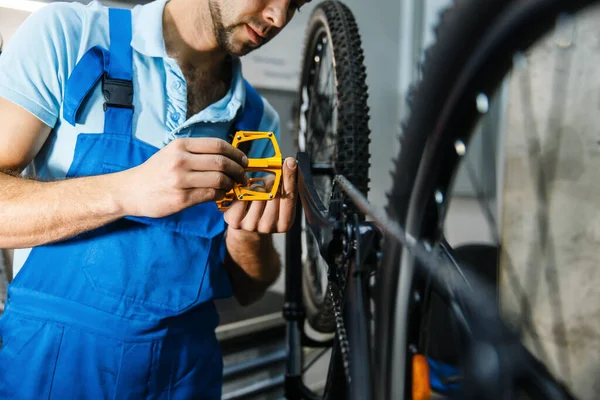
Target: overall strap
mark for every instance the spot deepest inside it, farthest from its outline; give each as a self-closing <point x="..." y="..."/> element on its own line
<point x="249" y="119"/>
<point x="252" y="113"/>
<point x="115" y="69"/>
<point x="117" y="84"/>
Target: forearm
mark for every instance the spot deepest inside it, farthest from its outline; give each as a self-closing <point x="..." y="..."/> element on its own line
<point x="252" y="263"/>
<point x="35" y="213"/>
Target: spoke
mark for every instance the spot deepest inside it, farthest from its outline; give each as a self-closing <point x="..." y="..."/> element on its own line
<point x="326" y="87"/>
<point x="543" y="173"/>
<point x="324" y="156"/>
<point x="323" y="169"/>
<point x="483" y="202"/>
<point x="312" y="96"/>
<point x="526" y="308"/>
<point x="315" y="107"/>
<point x="545" y="160"/>
<point x="329" y="146"/>
<point x="446" y="248"/>
<point x="448" y="283"/>
<point x="329" y="89"/>
<point x="315" y="358"/>
<point x="331" y="85"/>
<point x="322" y="111"/>
<point x="326" y="135"/>
<point x="333" y="104"/>
<point x="316" y="275"/>
<point x="319" y="109"/>
<point x="329" y="74"/>
<point x="328" y="114"/>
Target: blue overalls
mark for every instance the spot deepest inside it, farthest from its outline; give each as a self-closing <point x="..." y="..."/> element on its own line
<point x="124" y="311"/>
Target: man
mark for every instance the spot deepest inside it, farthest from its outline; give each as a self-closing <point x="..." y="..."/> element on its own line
<point x="135" y="110"/>
<point x="5" y="261"/>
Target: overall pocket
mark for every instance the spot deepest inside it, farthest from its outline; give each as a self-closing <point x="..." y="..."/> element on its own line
<point x="146" y="264"/>
<point x="28" y="356"/>
<point x="161" y="262"/>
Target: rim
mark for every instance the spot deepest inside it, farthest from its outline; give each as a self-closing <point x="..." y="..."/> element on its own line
<point x="437" y="167"/>
<point x="317" y="135"/>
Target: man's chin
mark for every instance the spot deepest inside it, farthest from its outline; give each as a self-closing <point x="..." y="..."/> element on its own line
<point x="243" y="50"/>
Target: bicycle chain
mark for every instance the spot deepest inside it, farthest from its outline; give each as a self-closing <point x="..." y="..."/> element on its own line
<point x="336" y="289"/>
<point x="337" y="283"/>
<point x="341" y="330"/>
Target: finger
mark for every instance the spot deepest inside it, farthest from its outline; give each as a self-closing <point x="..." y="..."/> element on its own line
<point x="289" y="190"/>
<point x="253" y="216"/>
<point x="268" y="180"/>
<point x="270" y="216"/>
<point x="237" y="211"/>
<point x="215" y="180"/>
<point x="217" y="163"/>
<point x="204" y="195"/>
<point x="235" y="214"/>
<point x="253" y="210"/>
<point x="215" y="146"/>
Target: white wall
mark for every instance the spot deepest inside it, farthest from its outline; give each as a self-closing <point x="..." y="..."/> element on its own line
<point x="379" y="23"/>
<point x="277" y="65"/>
<point x="10" y="20"/>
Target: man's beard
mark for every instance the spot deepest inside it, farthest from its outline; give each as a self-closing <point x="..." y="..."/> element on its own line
<point x="224" y="35"/>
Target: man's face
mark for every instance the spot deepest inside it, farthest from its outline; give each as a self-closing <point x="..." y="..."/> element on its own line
<point x="241" y="26"/>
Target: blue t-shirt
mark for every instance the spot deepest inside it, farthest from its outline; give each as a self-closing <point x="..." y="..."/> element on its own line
<point x="37" y="61"/>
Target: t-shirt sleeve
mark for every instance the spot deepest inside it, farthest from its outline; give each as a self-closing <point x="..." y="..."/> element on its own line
<point x="38" y="58"/>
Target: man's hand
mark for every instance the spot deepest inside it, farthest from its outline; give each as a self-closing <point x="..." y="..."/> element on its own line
<point x="251" y="260"/>
<point x="273" y="216"/>
<point x="184" y="173"/>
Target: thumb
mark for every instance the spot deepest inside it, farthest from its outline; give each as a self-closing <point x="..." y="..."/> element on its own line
<point x="287" y="205"/>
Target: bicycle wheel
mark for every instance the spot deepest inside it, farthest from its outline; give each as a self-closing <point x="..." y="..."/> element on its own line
<point x="474" y="53"/>
<point x="332" y="127"/>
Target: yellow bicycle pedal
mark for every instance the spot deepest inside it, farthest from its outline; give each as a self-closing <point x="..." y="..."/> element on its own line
<point x="270" y="165"/>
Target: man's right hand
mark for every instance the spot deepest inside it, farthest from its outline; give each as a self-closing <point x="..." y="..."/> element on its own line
<point x="186" y="172"/>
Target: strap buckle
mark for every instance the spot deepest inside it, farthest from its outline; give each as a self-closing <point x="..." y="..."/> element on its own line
<point x="117" y="92"/>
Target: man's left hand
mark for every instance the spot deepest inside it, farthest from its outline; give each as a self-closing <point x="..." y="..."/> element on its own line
<point x="273" y="216"/>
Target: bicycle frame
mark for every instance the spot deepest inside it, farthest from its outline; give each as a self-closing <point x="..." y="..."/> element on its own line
<point x="479" y="321"/>
<point x="329" y="235"/>
<point x="495" y="363"/>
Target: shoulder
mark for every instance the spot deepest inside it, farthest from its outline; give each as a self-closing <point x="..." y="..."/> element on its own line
<point x="39" y="57"/>
<point x="67" y="27"/>
<point x="59" y="18"/>
<point x="70" y="13"/>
